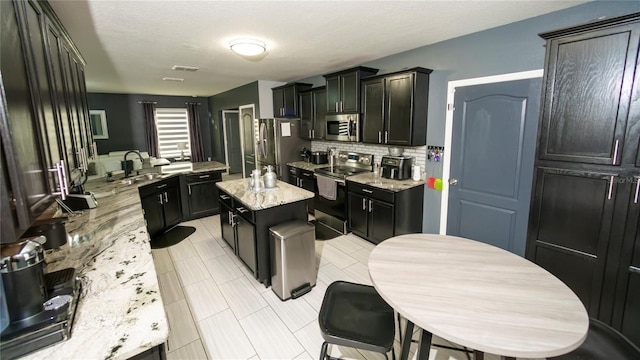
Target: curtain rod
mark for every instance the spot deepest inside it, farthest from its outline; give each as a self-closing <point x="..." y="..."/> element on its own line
<point x="142" y="102"/>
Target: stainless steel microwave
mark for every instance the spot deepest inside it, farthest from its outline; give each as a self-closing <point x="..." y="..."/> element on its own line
<point x="343" y="127"/>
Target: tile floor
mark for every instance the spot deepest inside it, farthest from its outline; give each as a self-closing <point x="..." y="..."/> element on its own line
<point x="217" y="310"/>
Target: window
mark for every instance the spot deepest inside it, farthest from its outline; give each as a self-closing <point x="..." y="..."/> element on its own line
<point x="173" y="132"/>
<point x="99" y="124"/>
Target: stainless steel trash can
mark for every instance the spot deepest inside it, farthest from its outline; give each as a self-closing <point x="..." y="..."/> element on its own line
<point x="293" y="259"/>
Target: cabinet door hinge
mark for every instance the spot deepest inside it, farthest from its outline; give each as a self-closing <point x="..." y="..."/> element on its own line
<point x="450" y="107"/>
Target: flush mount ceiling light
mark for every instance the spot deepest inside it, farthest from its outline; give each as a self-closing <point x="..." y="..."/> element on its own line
<point x="247" y="47"/>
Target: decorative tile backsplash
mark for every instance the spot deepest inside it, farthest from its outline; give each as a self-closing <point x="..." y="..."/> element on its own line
<point x="419" y="153"/>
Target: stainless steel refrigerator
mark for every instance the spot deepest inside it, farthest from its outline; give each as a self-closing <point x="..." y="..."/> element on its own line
<point x="279" y="143"/>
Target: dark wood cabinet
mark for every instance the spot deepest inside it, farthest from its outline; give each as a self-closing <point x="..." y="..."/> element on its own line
<point x="394" y="108"/>
<point x="27" y="191"/>
<point x="343" y="90"/>
<point x="370" y="218"/>
<point x="625" y="296"/>
<point x="313" y="105"/>
<point x="304" y="179"/>
<point x="285" y="99"/>
<point x="226" y="225"/>
<point x="40" y="68"/>
<point x="377" y="214"/>
<point x="583" y="224"/>
<point x="246" y="239"/>
<point x="161" y="205"/>
<point x="585" y="107"/>
<point x="572" y="244"/>
<point x="200" y="194"/>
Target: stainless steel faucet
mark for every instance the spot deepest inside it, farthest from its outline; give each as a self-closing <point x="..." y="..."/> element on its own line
<point x="126" y="169"/>
<point x="331" y="153"/>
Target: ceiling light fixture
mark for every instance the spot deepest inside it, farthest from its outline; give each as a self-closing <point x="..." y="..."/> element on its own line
<point x="247" y="47"/>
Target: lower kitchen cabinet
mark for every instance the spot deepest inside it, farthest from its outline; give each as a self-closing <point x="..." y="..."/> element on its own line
<point x="304" y="179"/>
<point x="247" y="231"/>
<point x="377" y="214"/>
<point x="161" y="205"/>
<point x="200" y="195"/>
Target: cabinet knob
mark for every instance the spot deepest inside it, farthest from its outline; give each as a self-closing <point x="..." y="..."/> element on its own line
<point x="453" y="181"/>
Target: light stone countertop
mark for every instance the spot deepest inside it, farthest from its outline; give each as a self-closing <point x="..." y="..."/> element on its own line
<point x="368" y="178"/>
<point x="120" y="312"/>
<point x="283" y="193"/>
<point x="306" y="165"/>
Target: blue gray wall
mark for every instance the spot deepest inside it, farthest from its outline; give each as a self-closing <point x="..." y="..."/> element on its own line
<point x="228" y="100"/>
<point x="510" y="48"/>
<point x="125" y="119"/>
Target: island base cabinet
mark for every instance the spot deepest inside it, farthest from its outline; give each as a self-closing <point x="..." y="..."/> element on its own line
<point x="246" y="237"/>
<point x="249" y="231"/>
<point x="226" y="226"/>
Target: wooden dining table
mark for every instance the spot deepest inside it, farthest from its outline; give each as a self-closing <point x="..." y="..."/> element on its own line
<point x="476" y="295"/>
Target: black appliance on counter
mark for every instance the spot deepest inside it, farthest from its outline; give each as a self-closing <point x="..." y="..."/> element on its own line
<point x="331" y="211"/>
<point x="396" y="167"/>
<point x="41" y="306"/>
<point x="319" y="157"/>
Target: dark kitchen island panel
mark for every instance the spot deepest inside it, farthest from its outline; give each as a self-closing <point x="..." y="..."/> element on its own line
<point x="248" y="215"/>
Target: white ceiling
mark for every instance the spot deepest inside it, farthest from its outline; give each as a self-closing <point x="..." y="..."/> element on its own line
<point x="131" y="45"/>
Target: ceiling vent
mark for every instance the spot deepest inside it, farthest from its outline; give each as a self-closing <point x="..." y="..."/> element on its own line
<point x="185" y="68"/>
<point x="172" y="79"/>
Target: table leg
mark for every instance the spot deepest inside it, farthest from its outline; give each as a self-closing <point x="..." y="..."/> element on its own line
<point x="425" y="345"/>
<point x="478" y="355"/>
<point x="406" y="341"/>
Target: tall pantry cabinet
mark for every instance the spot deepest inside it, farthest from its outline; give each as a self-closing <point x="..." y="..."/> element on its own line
<point x="44" y="116"/>
<point x="583" y="226"/>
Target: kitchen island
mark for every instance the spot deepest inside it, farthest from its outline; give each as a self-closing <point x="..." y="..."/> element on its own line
<point x="120" y="313"/>
<point x="247" y="215"/>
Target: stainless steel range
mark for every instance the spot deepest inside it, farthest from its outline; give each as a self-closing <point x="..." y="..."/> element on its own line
<point x="331" y="199"/>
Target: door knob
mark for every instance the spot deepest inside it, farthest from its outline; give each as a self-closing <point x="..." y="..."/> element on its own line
<point x="453" y="182"/>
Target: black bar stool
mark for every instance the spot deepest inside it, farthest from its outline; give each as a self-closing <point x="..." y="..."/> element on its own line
<point x="354" y="315"/>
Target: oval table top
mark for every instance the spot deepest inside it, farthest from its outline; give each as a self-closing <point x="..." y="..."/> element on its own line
<point x="478" y="295"/>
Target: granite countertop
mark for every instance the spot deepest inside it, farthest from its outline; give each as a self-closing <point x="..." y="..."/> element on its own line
<point x="120" y="312"/>
<point x="283" y="193"/>
<point x="306" y="165"/>
<point x="368" y="178"/>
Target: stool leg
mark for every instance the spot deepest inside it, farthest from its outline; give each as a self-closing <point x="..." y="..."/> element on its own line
<point x="323" y="351"/>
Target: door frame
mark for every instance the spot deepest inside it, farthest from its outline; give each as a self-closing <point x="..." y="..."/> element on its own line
<point x="240" y="108"/>
<point x="448" y="130"/>
<point x="224" y="133"/>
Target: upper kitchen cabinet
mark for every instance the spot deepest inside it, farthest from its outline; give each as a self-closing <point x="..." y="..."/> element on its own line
<point x="588" y="89"/>
<point x="343" y="90"/>
<point x="285" y="99"/>
<point x="45" y="131"/>
<point x="394" y="108"/>
<point x="313" y="108"/>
